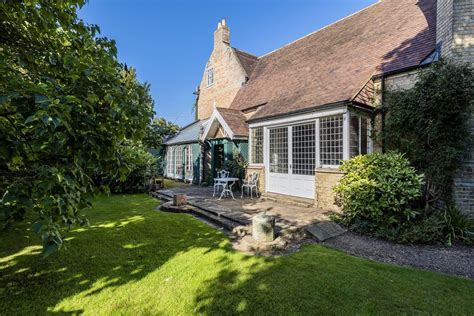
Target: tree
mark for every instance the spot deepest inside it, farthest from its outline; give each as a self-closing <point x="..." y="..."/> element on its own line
<point x="66" y="105"/>
<point x="157" y="131"/>
<point x="430" y="124"/>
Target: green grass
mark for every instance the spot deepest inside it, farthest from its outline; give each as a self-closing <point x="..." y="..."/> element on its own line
<point x="134" y="260"/>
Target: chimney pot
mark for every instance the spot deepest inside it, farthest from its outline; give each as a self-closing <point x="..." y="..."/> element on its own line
<point x="221" y="35"/>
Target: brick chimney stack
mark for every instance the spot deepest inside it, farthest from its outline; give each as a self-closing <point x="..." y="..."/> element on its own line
<point x="455" y="29"/>
<point x="221" y="35"/>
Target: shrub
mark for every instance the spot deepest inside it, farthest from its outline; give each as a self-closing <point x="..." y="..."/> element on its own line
<point x="378" y="195"/>
<point x="133" y="175"/>
<point x="457" y="226"/>
<point x="378" y="188"/>
<point x="236" y="166"/>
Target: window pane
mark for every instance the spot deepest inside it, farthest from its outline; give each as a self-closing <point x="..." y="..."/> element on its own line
<point x="354" y="135"/>
<point x="179" y="161"/>
<point x="210" y="76"/>
<point x="279" y="150"/>
<point x="331" y="140"/>
<point x="257" y="145"/>
<point x="304" y="149"/>
<point x="364" y="136"/>
<point x="189" y="161"/>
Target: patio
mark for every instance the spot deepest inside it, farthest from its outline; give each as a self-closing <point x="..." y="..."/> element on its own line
<point x="289" y="213"/>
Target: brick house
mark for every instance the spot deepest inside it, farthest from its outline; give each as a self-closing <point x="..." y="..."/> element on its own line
<point x="296" y="112"/>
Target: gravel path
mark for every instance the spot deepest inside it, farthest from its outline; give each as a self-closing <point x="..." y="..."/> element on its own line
<point x="457" y="260"/>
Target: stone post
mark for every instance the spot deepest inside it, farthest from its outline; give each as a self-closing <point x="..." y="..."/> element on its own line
<point x="263" y="227"/>
<point x="180" y="199"/>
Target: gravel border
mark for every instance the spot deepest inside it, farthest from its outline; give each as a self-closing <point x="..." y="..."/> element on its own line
<point x="456" y="260"/>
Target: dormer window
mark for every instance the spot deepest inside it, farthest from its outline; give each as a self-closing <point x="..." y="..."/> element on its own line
<point x="210" y="76"/>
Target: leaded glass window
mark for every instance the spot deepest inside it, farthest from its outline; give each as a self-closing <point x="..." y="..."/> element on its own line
<point x="359" y="135"/>
<point x="331" y="140"/>
<point x="278" y="150"/>
<point x="304" y="149"/>
<point x="257" y="145"/>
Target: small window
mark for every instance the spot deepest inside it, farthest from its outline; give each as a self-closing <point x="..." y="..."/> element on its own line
<point x="257" y="145"/>
<point x="210" y="77"/>
<point x="359" y="135"/>
<point x="331" y="140"/>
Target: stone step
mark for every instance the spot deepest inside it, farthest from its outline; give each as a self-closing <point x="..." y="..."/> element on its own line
<point x="224" y="220"/>
<point x="219" y="212"/>
<point x="219" y="220"/>
<point x="287" y="199"/>
<point x="160" y="196"/>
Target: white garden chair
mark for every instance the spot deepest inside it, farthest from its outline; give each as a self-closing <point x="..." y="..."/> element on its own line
<point x="217" y="183"/>
<point x="250" y="183"/>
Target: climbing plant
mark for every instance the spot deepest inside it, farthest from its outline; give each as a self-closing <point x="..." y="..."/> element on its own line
<point x="429" y="123"/>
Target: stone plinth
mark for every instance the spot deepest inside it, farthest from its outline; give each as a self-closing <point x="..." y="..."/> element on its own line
<point x="263" y="227"/>
<point x="180" y="199"/>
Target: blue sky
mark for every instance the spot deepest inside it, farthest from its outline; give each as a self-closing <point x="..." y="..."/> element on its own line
<point x="169" y="42"/>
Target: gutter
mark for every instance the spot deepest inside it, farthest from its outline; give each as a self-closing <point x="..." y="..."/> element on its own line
<point x="301" y="111"/>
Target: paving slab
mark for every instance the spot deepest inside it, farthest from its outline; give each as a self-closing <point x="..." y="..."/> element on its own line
<point x="325" y="230"/>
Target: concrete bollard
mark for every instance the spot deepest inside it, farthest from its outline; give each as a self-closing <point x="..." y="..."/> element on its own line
<point x="180" y="199"/>
<point x="263" y="227"/>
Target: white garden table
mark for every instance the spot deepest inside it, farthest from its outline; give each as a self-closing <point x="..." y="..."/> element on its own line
<point x="229" y="182"/>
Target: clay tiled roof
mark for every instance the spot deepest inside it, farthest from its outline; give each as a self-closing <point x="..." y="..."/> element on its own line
<point x="334" y="63"/>
<point x="236" y="121"/>
<point x="247" y="60"/>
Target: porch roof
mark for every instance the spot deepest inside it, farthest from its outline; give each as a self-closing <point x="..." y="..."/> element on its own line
<point x="188" y="134"/>
<point x="233" y="123"/>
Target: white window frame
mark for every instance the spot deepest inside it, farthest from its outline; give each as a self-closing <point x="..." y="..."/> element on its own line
<point x="302" y="119"/>
<point x="252" y="163"/>
<point x="345" y="141"/>
<point x="188" y="167"/>
<point x="369" y="134"/>
<point x="171" y="162"/>
<point x="179" y="150"/>
<point x="210" y="75"/>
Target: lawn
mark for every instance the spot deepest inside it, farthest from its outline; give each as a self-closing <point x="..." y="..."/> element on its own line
<point x="135" y="260"/>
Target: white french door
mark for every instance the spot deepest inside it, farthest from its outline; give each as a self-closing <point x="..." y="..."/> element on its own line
<point x="292" y="160"/>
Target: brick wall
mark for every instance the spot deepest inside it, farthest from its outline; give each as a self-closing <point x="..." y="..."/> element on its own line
<point x="261" y="177"/>
<point x="455" y="29"/>
<point x="325" y="180"/>
<point x="228" y="75"/>
<point x="444" y="26"/>
<point x="455" y="35"/>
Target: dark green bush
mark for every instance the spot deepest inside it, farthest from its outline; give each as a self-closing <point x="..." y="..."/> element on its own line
<point x="236" y="167"/>
<point x="134" y="174"/>
<point x="378" y="195"/>
<point x="378" y="188"/>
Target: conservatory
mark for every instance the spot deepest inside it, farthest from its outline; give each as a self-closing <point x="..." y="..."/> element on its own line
<point x="290" y="151"/>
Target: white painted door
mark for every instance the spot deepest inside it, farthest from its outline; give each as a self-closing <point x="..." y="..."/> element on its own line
<point x="292" y="159"/>
<point x="278" y="166"/>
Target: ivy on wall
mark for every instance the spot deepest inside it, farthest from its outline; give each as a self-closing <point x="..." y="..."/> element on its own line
<point x="430" y="124"/>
